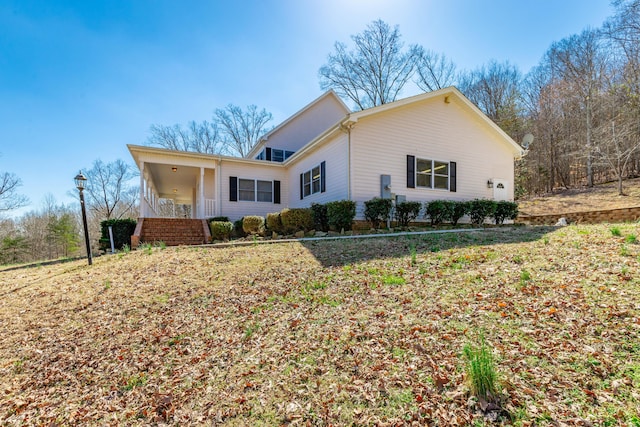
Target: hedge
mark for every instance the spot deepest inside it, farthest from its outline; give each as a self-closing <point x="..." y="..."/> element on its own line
<point x="340" y="214"/>
<point x="320" y="217"/>
<point x="505" y="210"/>
<point x="437" y="211"/>
<point x="481" y="209"/>
<point x="296" y="219"/>
<point x="377" y="210"/>
<point x="253" y="224"/>
<point x="407" y="212"/>
<point x="274" y="223"/>
<point x="221" y="230"/>
<point x="122" y="230"/>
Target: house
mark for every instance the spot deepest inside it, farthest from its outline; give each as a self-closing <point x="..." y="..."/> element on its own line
<point x="437" y="145"/>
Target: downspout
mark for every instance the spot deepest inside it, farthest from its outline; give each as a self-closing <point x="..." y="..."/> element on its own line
<point x="346" y="127"/>
<point x="349" y="163"/>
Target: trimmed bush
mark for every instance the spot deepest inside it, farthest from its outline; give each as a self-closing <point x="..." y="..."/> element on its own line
<point x="122" y="230"/>
<point x="238" y="230"/>
<point x="340" y="214"/>
<point x="505" y="210"/>
<point x="437" y="211"/>
<point x="219" y="218"/>
<point x="274" y="222"/>
<point x="377" y="210"/>
<point x="457" y="211"/>
<point x="407" y="212"/>
<point x="297" y="219"/>
<point x="253" y="224"/>
<point x="320" y="217"/>
<point x="221" y="230"/>
<point x="480" y="210"/>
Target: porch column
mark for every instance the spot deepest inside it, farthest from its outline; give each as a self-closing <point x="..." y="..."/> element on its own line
<point x="142" y="184"/>
<point x="218" y="187"/>
<point x="201" y="195"/>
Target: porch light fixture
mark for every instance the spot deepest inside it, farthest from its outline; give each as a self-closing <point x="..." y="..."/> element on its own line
<point x="175" y="169"/>
<point x="80" y="181"/>
<point x="175" y="190"/>
<point x="489" y="184"/>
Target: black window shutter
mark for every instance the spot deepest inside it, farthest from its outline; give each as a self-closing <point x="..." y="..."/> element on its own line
<point x="323" y="181"/>
<point x="276" y="192"/>
<point x="268" y="153"/>
<point x="301" y="187"/>
<point x="233" y="188"/>
<point x="411" y="171"/>
<point x="452" y="176"/>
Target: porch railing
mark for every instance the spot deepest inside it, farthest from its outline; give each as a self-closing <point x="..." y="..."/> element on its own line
<point x="209" y="208"/>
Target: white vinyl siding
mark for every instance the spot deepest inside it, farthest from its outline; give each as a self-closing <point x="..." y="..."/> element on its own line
<point x="266" y="171"/>
<point x="335" y="155"/>
<point x="308" y="124"/>
<point x="431" y="129"/>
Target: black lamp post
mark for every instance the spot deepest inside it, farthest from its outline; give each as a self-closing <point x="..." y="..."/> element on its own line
<point x="80" y="180"/>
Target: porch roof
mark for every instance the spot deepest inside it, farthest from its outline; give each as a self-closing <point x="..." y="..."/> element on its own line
<point x="159" y="164"/>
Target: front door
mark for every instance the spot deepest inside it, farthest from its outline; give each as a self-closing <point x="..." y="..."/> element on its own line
<point x="500" y="189"/>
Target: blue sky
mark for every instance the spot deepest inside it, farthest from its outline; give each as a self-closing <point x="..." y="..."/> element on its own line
<point x="79" y="80"/>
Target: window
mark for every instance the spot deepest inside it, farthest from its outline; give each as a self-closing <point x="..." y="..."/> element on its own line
<point x="274" y="154"/>
<point x="277" y="155"/>
<point x="429" y="173"/>
<point x="432" y="174"/>
<point x="250" y="190"/>
<point x="264" y="191"/>
<point x="246" y="190"/>
<point x="313" y="181"/>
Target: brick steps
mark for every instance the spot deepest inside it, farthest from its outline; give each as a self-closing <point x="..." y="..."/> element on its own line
<point x="173" y="231"/>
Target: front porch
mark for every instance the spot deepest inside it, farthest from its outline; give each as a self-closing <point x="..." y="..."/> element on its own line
<point x="178" y="192"/>
<point x="176" y="188"/>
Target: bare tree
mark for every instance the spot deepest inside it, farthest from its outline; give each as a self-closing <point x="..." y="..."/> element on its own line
<point x="582" y="62"/>
<point x="618" y="135"/>
<point x="623" y="30"/>
<point x="49" y="232"/>
<point x="434" y="71"/>
<point x="495" y="89"/>
<point x="241" y="130"/>
<point x="9" y="197"/>
<point x="197" y="137"/>
<point x="375" y="72"/>
<point x="109" y="194"/>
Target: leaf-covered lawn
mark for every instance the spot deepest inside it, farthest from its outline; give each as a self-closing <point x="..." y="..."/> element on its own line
<point x="351" y="332"/>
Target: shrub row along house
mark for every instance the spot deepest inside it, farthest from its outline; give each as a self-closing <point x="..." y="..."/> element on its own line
<point x="437" y="145"/>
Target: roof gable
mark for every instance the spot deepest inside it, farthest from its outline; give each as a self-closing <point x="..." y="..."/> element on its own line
<point x="305" y="125"/>
<point x="446" y="95"/>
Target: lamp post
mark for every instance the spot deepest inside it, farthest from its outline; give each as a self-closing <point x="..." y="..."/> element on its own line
<point x="80" y="180"/>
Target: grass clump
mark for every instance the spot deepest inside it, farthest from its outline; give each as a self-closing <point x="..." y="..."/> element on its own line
<point x="481" y="370"/>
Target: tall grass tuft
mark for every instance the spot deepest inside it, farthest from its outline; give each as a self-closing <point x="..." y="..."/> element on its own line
<point x="481" y="370"/>
<point x="413" y="252"/>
